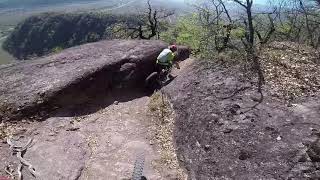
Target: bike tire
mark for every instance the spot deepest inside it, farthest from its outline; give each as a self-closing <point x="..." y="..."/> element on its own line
<point x="151" y="81"/>
<point x="151" y="77"/>
<point x="138" y="168"/>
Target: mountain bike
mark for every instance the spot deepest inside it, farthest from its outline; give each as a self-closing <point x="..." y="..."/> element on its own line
<point x="138" y="168"/>
<point x="156" y="80"/>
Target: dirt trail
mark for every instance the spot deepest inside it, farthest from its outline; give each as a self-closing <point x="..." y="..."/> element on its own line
<point x="116" y="135"/>
<point x="83" y="143"/>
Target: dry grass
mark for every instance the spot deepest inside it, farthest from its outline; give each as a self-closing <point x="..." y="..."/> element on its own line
<point x="6" y="130"/>
<point x="291" y="70"/>
<point x="162" y="130"/>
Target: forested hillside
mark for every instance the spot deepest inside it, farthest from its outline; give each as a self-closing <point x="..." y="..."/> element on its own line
<point x="51" y="32"/>
<point x="30" y="3"/>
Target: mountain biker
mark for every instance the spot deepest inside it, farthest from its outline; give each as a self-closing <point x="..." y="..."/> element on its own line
<point x="166" y="59"/>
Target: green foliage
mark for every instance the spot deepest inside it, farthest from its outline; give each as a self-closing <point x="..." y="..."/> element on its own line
<point x="203" y="39"/>
<point x="300" y="24"/>
<point x="42" y="34"/>
<point x="187" y="31"/>
<point x="117" y="31"/>
<point x="190" y="32"/>
<point x="57" y="49"/>
<point x="238" y="33"/>
<point x="284" y="28"/>
<point x="169" y="36"/>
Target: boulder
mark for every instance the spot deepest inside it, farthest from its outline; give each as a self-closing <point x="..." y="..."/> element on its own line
<point x="223" y="131"/>
<point x="35" y="87"/>
<point x="183" y="53"/>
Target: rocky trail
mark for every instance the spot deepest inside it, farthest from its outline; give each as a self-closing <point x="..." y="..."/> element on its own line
<point x="86" y="143"/>
<point x="101" y="145"/>
<point x="211" y="119"/>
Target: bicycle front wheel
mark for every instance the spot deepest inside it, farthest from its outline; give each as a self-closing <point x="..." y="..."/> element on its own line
<point x="138" y="168"/>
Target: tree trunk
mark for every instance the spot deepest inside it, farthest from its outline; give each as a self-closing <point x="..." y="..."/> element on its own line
<point x="251" y="54"/>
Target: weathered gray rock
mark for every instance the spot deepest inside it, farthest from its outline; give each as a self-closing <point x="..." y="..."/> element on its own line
<point x="222" y="133"/>
<point x="73" y="76"/>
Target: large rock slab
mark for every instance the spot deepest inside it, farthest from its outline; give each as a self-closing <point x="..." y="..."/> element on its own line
<point x="71" y="77"/>
<point x="223" y="132"/>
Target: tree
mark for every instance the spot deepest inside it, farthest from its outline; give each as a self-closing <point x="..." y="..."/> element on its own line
<point x="265" y="26"/>
<point x="312" y="23"/>
<point x="300" y="22"/>
<point x="149" y="23"/>
<point x="187" y="31"/>
<point x="217" y="22"/>
<point x="249" y="42"/>
<point x="290" y="24"/>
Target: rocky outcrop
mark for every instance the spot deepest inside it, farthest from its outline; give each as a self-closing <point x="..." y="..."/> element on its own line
<point x="223" y="131"/>
<point x="73" y="76"/>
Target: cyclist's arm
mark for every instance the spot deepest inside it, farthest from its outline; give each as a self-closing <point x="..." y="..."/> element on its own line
<point x="174" y="60"/>
<point x="177" y="64"/>
<point x="171" y="57"/>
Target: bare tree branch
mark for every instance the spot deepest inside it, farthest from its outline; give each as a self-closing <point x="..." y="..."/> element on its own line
<point x="226" y="11"/>
<point x="149" y="26"/>
<point x="240" y="3"/>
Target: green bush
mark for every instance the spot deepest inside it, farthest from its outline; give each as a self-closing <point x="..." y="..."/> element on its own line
<point x="238" y="33"/>
<point x="57" y="49"/>
<point x="186" y="31"/>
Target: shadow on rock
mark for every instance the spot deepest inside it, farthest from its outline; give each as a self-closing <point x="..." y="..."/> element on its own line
<point x="100" y="101"/>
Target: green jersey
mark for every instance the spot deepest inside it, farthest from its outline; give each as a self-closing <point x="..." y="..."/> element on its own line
<point x="165" y="57"/>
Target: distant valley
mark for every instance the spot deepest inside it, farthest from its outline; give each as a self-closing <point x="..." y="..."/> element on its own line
<point x="14" y="11"/>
